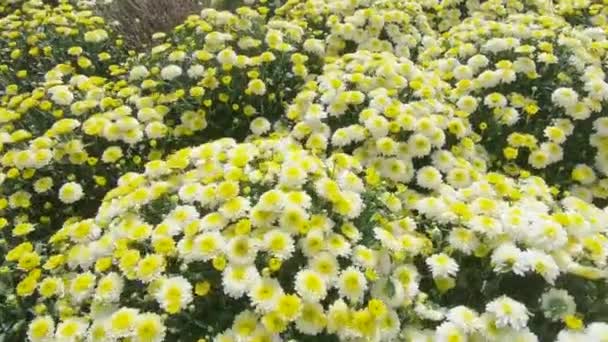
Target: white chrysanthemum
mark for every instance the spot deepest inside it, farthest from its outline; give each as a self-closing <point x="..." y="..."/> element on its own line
<point x="71" y="329"/>
<point x="377" y="125"/>
<point x="506" y="257"/>
<point x="256" y="87"/>
<point x="138" y="72"/>
<point x="148" y="328"/>
<point x="227" y="57"/>
<point x="341" y="137"/>
<point x="387" y="239"/>
<point x="70" y="192"/>
<point x="265" y="293"/>
<point x="183" y="215"/>
<point x="122" y="322"/>
<point x="213" y="221"/>
<point x="349" y="181"/>
<point x="465" y="318"/>
<point x="428" y="177"/>
<point x="364" y="256"/>
<point x="259" y="126"/>
<point x="83" y="231"/>
<point x="41" y="329"/>
<point x="196" y="71"/>
<point x="315" y="46"/>
<point x="556" y="304"/>
<point x="207" y="245"/>
<point x="442" y="265"/>
<point x="292" y="175"/>
<point x="235" y="208"/>
<point x="109" y="288"/>
<point x="352" y="284"/>
<point x="61" y="95"/>
<point x="174" y="294"/>
<point x="486" y="225"/>
<point x="170" y="72"/>
<point x="81" y="286"/>
<point x="237" y="280"/>
<point x="326" y="265"/>
<point x="310" y="285"/>
<point x="564" y="97"/>
<point x="539" y="262"/>
<point x="279" y="244"/>
<point x="478" y="62"/>
<point x="511" y="335"/>
<point x="312" y="319"/>
<point x="463" y="240"/>
<point x="190" y="192"/>
<point x="547" y="235"/>
<point x="241" y="250"/>
<point x="450" y="332"/>
<point x="431" y="313"/>
<point x="508" y="312"/>
<point x="495" y="100"/>
<point x="419" y="145"/>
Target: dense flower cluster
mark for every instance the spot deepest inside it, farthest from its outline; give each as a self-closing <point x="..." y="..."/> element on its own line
<point x="534" y="95"/>
<point x="332" y="170"/>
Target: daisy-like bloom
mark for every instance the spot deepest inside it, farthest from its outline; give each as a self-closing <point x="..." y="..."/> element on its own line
<point x="71" y="329"/>
<point x="256" y="87"/>
<point x="171" y="72"/>
<point x="265" y="293"/>
<point x="312" y="319"/>
<point x="121" y="322"/>
<point x="259" y="126"/>
<point x="352" y="284"/>
<point x="539" y="262"/>
<point x="206" y="246"/>
<point x="98" y="331"/>
<point x="428" y="177"/>
<point x="237" y="279"/>
<point x="109" y="288"/>
<point x="41" y="329"/>
<point x="245" y="323"/>
<point x="81" y="287"/>
<point x="138" y="72"/>
<point x="61" y="95"/>
<point x="279" y="244"/>
<point x="450" y="332"/>
<point x="241" y="250"/>
<point x="174" y="294"/>
<point x="70" y="192"/>
<point x="507" y="257"/>
<point x="556" y="304"/>
<point x="326" y="264"/>
<point x="465" y="318"/>
<point x="441" y="265"/>
<point x="190" y="192"/>
<point x="235" y="208"/>
<point x="310" y="285"/>
<point x="148" y="327"/>
<point x="150" y="267"/>
<point x="564" y="97"/>
<point x="508" y="312"/>
<point x="289" y="307"/>
<point x="463" y="240"/>
<point x="51" y="286"/>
